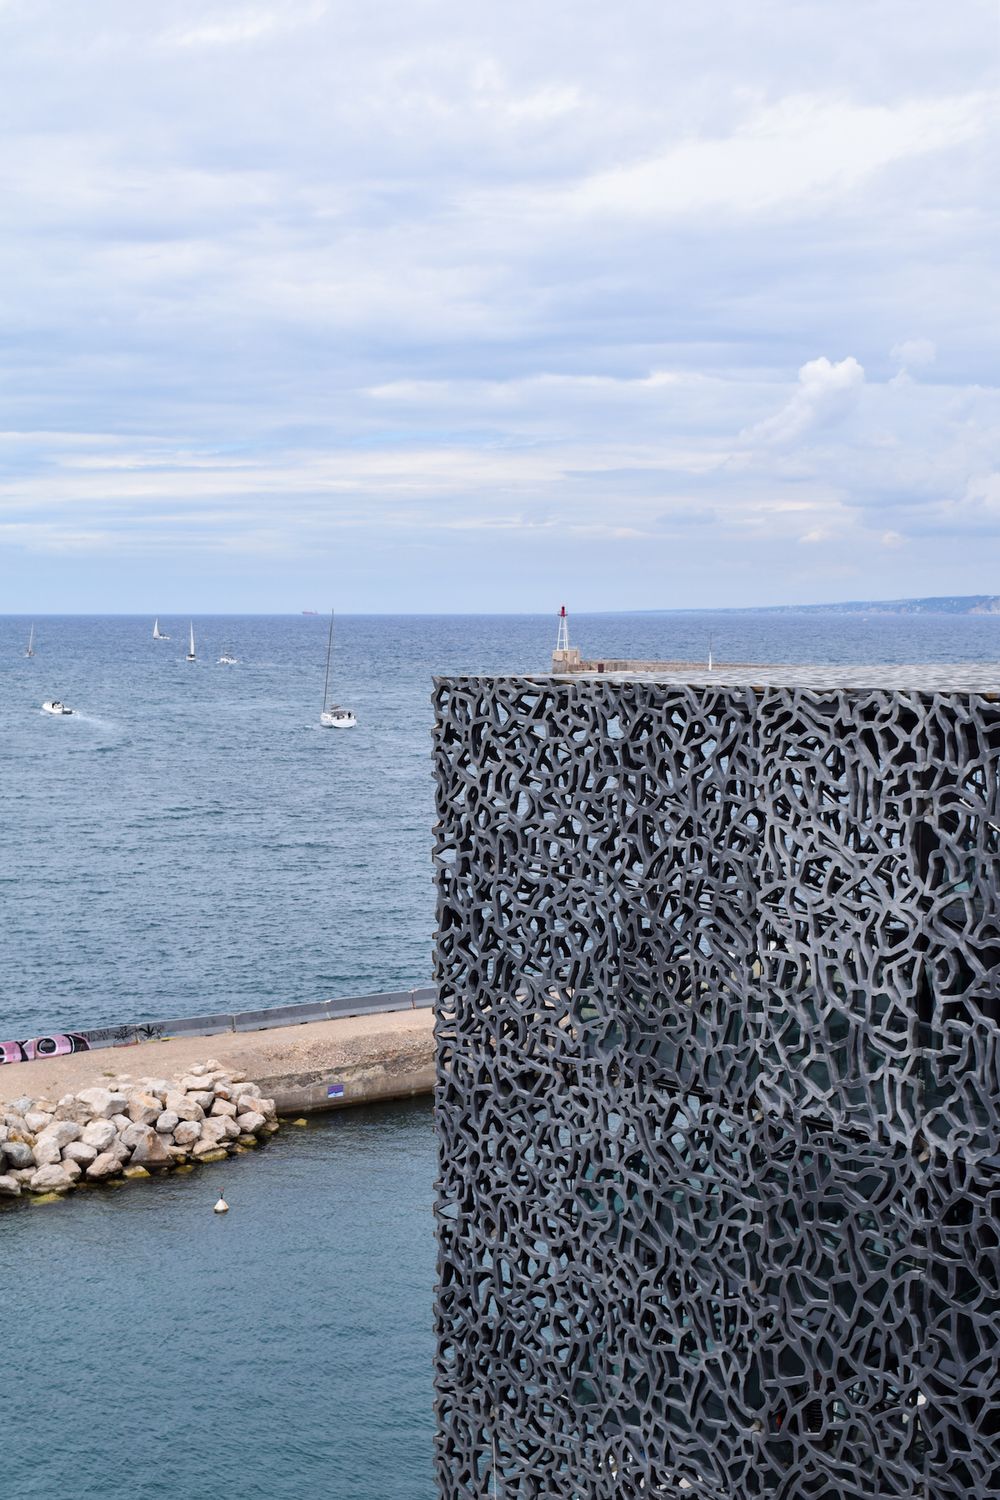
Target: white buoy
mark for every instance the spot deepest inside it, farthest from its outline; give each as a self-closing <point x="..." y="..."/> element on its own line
<point x="222" y="1207"/>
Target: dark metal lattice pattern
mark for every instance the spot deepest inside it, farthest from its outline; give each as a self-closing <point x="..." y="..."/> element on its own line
<point x="719" y="1091"/>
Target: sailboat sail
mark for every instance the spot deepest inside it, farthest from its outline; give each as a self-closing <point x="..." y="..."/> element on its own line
<point x="190" y="655"/>
<point x="332" y="716"/>
<point x="31" y="642"/>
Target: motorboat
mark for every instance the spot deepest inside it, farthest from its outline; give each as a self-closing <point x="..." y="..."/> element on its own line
<point x="53" y="706"/>
<point x="227" y="659"/>
<point x="332" y="715"/>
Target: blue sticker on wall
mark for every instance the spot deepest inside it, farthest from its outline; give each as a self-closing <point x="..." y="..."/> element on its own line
<point x="335" y="1091"/>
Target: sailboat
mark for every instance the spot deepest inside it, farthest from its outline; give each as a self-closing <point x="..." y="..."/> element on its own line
<point x="333" y="716"/>
<point x="157" y="632"/>
<point x="31" y="642"/>
<point x="191" y="656"/>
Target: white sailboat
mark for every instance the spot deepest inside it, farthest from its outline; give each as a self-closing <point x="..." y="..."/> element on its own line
<point x="333" y="715"/>
<point x="31" y="642"/>
<point x="191" y="656"/>
<point x="157" y="632"/>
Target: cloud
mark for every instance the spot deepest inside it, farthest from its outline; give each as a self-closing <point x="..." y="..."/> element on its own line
<point x="914" y="354"/>
<point x="803" y="147"/>
<point x="287" y="278"/>
<point x="825" y="394"/>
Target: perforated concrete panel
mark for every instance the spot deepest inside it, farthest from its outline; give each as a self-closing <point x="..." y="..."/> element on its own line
<point x="719" y="1087"/>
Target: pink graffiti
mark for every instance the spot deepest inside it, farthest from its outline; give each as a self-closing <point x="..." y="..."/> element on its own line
<point x="56" y="1045"/>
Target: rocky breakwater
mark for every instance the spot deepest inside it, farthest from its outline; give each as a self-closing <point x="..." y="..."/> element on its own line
<point x="129" y="1129"/>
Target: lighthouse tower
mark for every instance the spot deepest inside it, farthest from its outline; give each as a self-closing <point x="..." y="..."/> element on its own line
<point x="565" y="657"/>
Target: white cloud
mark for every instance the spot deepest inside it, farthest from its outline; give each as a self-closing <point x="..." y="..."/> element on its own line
<point x="914" y="354"/>
<point x="787" y="154"/>
<point x="825" y="394"/>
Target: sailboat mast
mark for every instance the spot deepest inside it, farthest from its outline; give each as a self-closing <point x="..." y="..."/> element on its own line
<point x="329" y="648"/>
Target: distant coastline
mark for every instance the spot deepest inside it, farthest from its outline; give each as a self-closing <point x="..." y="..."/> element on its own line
<point x="946" y="604"/>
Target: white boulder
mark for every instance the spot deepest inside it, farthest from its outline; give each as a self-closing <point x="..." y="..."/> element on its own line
<point x="105" y="1165"/>
<point x="99" y="1134"/>
<point x="144" y="1109"/>
<point x="79" y="1151"/>
<point x="51" y="1178"/>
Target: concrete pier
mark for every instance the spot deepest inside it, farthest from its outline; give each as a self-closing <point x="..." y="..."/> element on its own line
<point x="318" y="1065"/>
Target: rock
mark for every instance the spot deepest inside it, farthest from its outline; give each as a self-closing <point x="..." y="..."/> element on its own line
<point x="150" y="1151"/>
<point x="177" y="1153"/>
<point x="102" y="1103"/>
<point x="51" y="1178"/>
<point x="144" y="1109"/>
<point x="250" y="1122"/>
<point x="232" y="1129"/>
<point x="187" y="1132"/>
<point x="73" y="1170"/>
<point x="37" y="1119"/>
<point x="48" y="1151"/>
<point x="23" y="1175"/>
<point x="184" y="1106"/>
<point x="135" y="1172"/>
<point x="223" y="1107"/>
<point x="22" y="1105"/>
<point x="243" y="1091"/>
<point x="222" y="1091"/>
<point x="72" y="1108"/>
<point x="9" y="1187"/>
<point x="208" y="1151"/>
<point x="192" y="1085"/>
<point x="167" y="1122"/>
<point x="119" y="1150"/>
<point x="204" y="1097"/>
<point x="248" y="1140"/>
<point x="121" y="1123"/>
<point x="237" y="1077"/>
<point x="99" y="1134"/>
<point x="133" y="1134"/>
<point x="159" y="1087"/>
<point x="61" y="1132"/>
<point x="214" y="1129"/>
<point x="198" y="1070"/>
<point x="267" y="1108"/>
<point x="79" y="1151"/>
<point x="105" y="1165"/>
<point x="19" y="1155"/>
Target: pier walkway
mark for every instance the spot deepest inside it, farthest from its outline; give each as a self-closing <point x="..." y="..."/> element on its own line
<point x="330" y="1064"/>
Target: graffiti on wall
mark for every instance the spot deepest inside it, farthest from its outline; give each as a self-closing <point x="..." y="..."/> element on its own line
<point x="56" y="1045"/>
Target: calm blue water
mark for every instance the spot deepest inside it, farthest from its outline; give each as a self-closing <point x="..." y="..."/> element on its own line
<point x="193" y="840"/>
<point x="155" y="1351"/>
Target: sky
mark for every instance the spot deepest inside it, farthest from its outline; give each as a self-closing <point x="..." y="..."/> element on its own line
<point x="434" y="305"/>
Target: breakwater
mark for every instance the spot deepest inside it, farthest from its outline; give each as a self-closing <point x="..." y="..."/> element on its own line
<point x="130" y="1129"/>
<point x="333" y="1064"/>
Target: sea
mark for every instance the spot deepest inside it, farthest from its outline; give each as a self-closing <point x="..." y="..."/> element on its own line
<point x="188" y="840"/>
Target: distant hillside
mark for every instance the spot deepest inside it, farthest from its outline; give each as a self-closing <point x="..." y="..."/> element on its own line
<point x="949" y="604"/>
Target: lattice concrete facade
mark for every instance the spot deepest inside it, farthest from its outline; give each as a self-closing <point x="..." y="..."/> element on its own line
<point x="719" y="1086"/>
